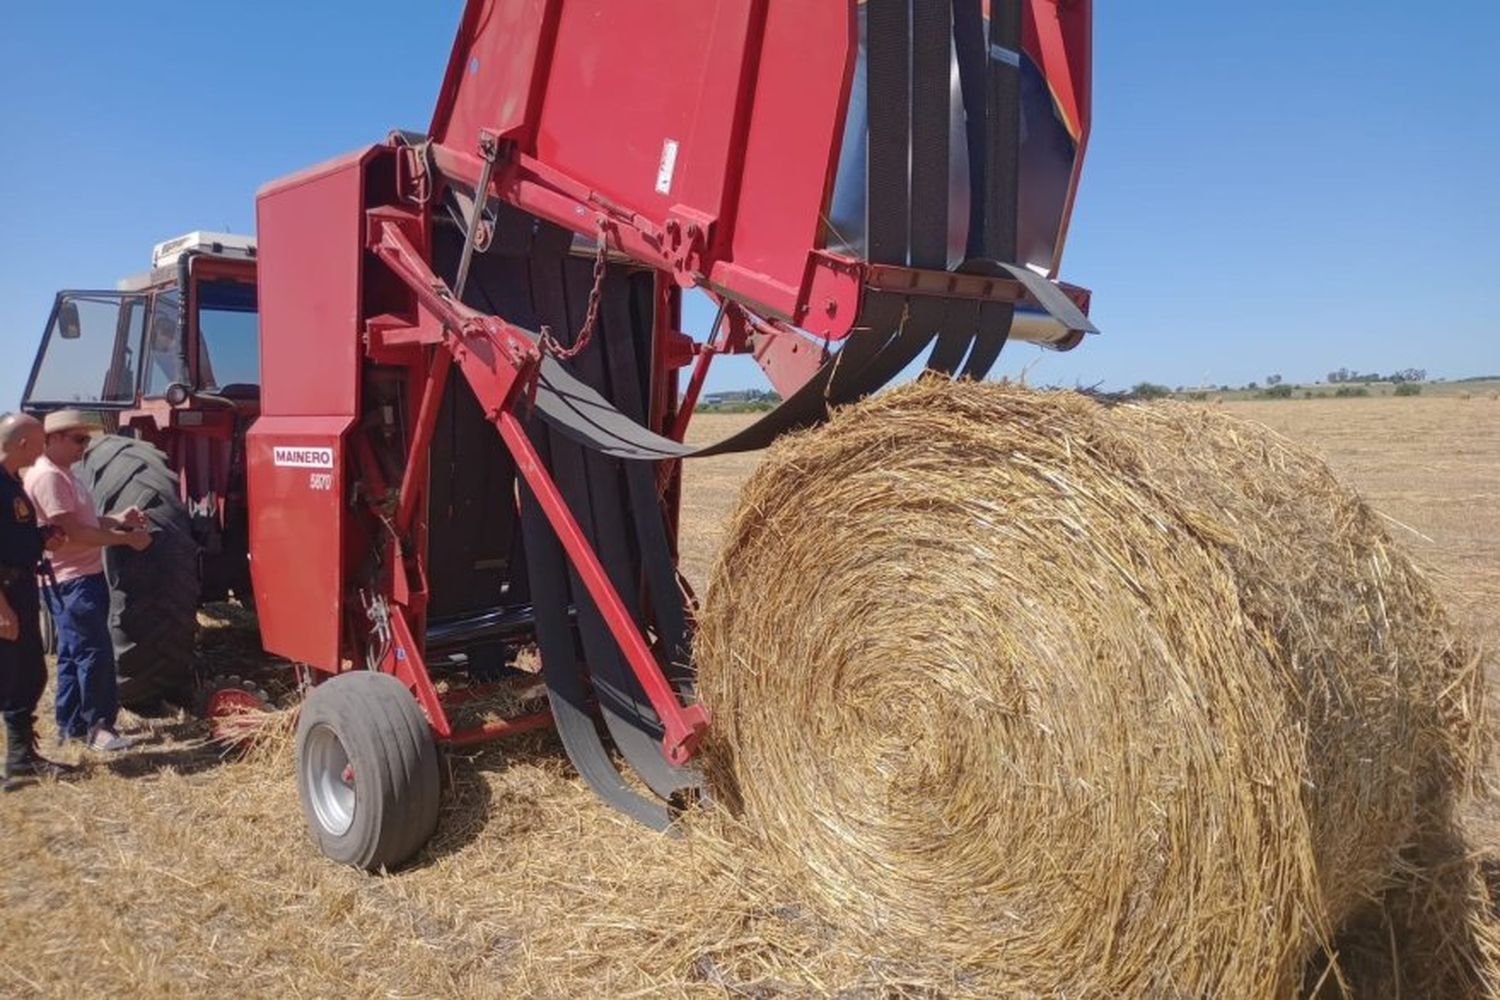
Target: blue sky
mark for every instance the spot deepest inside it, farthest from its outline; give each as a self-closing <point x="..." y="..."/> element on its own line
<point x="1283" y="186"/>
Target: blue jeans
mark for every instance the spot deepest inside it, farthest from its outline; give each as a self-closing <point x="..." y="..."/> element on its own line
<point x="87" y="691"/>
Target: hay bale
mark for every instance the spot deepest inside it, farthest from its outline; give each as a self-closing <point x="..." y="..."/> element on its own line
<point x="1090" y="701"/>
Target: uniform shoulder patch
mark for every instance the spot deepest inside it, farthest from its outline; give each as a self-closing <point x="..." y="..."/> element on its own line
<point x="22" y="510"/>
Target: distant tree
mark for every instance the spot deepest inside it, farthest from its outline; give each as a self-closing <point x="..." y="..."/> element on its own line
<point x="1273" y="380"/>
<point x="1277" y="392"/>
<point x="1408" y="389"/>
<point x="1150" y="390"/>
<point x="1253" y="386"/>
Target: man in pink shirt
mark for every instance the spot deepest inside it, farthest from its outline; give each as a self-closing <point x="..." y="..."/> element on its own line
<point x="78" y="595"/>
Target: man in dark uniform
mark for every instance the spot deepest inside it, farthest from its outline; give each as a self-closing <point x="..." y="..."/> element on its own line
<point x="23" y="671"/>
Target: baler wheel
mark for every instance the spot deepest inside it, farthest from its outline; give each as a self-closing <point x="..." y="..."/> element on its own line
<point x="367" y="770"/>
<point x="153" y="599"/>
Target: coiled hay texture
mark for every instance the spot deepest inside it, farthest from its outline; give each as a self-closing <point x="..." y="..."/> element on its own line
<point x="1096" y="701"/>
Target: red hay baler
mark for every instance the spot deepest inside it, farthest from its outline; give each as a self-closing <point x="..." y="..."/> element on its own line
<point x="471" y="421"/>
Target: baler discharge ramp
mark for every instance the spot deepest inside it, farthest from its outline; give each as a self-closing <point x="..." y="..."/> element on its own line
<point x="856" y="185"/>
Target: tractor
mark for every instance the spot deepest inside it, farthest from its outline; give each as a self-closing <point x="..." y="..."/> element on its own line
<point x="474" y="385"/>
<point x="170" y="360"/>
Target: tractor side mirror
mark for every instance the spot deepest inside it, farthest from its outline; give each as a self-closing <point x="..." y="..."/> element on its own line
<point x="68" y="327"/>
<point x="177" y="394"/>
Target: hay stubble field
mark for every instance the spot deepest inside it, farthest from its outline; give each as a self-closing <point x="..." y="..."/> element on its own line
<point x="172" y="873"/>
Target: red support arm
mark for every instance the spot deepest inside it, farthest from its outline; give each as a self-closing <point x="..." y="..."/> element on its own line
<point x="684" y="725"/>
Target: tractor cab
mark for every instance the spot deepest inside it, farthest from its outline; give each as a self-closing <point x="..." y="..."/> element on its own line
<point x="177" y="339"/>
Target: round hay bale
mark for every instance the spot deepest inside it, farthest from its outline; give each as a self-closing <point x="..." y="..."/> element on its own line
<point x="1093" y="701"/>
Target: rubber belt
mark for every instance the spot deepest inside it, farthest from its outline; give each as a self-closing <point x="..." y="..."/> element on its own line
<point x="1003" y="137"/>
<point x="868" y="360"/>
<point x="888" y="82"/>
<point x="550" y="575"/>
<point x="562" y="670"/>
<point x="627" y="712"/>
<point x="995" y="320"/>
<point x="591" y="490"/>
<point x="668" y="603"/>
<point x="969" y="48"/>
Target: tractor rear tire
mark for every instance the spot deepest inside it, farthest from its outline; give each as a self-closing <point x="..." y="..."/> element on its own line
<point x="367" y="770"/>
<point x="153" y="601"/>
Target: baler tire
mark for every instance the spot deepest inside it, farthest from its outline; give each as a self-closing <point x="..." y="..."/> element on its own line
<point x="153" y="600"/>
<point x="367" y="770"/>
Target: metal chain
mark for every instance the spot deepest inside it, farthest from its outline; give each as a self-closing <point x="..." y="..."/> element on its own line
<point x="550" y="344"/>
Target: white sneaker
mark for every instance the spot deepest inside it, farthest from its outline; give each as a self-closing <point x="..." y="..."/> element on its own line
<point x="103" y="740"/>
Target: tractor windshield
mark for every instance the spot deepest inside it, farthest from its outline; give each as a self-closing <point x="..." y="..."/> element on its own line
<point x="228" y="351"/>
<point x="86" y="356"/>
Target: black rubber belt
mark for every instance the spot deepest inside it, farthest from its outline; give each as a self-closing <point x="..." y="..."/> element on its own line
<point x="869" y="359"/>
<point x="930" y="113"/>
<point x="576" y="702"/>
<point x="888" y="83"/>
<point x="590" y="485"/>
<point x="995" y="319"/>
<point x="562" y="668"/>
<point x="1002" y="174"/>
<point x="553" y="581"/>
<point x="1003" y="138"/>
<point x="631" y="390"/>
<point x="627" y="712"/>
<point x="970" y="47"/>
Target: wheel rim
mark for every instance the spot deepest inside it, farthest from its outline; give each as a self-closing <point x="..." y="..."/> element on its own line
<point x="330" y="780"/>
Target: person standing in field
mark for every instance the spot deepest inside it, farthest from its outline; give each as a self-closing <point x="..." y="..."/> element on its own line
<point x="88" y="699"/>
<point x="23" y="670"/>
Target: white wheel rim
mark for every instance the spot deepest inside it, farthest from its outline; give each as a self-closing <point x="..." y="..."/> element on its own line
<point x="330" y="780"/>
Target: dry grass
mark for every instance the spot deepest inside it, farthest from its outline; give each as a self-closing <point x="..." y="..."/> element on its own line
<point x="173" y="873"/>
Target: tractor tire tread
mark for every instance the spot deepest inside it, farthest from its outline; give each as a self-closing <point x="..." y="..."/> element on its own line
<point x="154" y="593"/>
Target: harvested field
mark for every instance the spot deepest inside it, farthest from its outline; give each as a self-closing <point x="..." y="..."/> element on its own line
<point x="172" y="873"/>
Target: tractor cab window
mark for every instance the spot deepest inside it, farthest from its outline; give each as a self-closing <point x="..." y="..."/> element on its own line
<point x="87" y="353"/>
<point x="228" y="346"/>
<point x="165" y="355"/>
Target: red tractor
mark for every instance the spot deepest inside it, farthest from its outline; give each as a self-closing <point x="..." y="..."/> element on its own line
<point x="171" y="360"/>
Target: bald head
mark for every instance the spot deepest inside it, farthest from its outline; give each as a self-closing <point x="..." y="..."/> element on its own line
<point x="21" y="441"/>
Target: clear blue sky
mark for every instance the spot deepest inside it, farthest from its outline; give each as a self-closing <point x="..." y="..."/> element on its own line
<point x="1281" y="186"/>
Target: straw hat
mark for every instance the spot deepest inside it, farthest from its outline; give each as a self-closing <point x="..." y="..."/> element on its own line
<point x="66" y="420"/>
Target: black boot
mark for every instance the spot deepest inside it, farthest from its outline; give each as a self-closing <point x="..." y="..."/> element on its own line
<point x="21" y="758"/>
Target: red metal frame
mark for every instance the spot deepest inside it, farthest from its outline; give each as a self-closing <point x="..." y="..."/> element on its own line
<point x="717" y="177"/>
